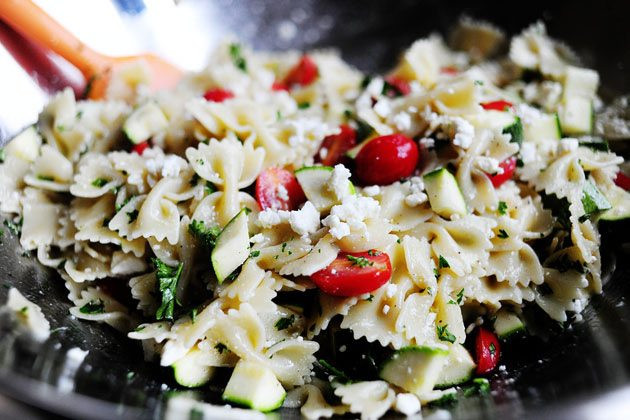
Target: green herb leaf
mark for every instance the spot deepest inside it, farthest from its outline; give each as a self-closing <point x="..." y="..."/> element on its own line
<point x="167" y="277"/>
<point x="123" y="204"/>
<point x="492" y="349"/>
<point x="337" y="374"/>
<point x="503" y="234"/>
<point x="254" y="254"/>
<point x="45" y="177"/>
<point x="193" y="314"/>
<point x="210" y="188"/>
<point x="284" y="323"/>
<point x="139" y="328"/>
<point x="460" y="296"/>
<point x="502" y="207"/>
<point x="304" y="105"/>
<point x="206" y="235"/>
<point x="374" y="253"/>
<point x="14" y="228"/>
<point x="237" y="57"/>
<point x="99" y="182"/>
<point x="444" y="334"/>
<point x="370" y="298"/>
<point x="442" y="262"/>
<point x="478" y="386"/>
<point x="132" y="215"/>
<point x="360" y="261"/>
<point x="93" y="307"/>
<point x="363" y="129"/>
<point x="220" y="347"/>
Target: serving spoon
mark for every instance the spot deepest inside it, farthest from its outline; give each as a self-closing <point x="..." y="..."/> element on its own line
<point x="35" y="24"/>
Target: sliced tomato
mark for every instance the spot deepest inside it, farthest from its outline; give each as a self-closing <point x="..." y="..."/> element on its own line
<point x="508" y="166"/>
<point x="278" y="86"/>
<point x="386" y="159"/>
<point x="335" y="146"/>
<point x="623" y="181"/>
<point x="487" y="351"/>
<point x="218" y="95"/>
<point x="353" y="274"/>
<point x="303" y="73"/>
<point x="401" y="85"/>
<point x="277" y="188"/>
<point x="496" y="105"/>
<point x="140" y="147"/>
<point x="452" y="70"/>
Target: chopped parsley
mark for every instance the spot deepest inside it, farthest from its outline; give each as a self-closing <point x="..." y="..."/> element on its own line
<point x="206" y="235"/>
<point x="254" y="254"/>
<point x="201" y="161"/>
<point x="210" y="188"/>
<point x="24" y="310"/>
<point x="93" y="307"/>
<point x="374" y="253"/>
<point x="370" y="298"/>
<point x="284" y="323"/>
<point x="132" y="215"/>
<point x="331" y="371"/>
<point x="284" y="246"/>
<point x="436" y="273"/>
<point x="502" y="207"/>
<point x="363" y="129"/>
<point x="444" y="334"/>
<point x="478" y="386"/>
<point x="237" y="57"/>
<point x="14" y="228"/>
<point x="123" y="204"/>
<point x="503" y="234"/>
<point x="139" y="328"/>
<point x="304" y="105"/>
<point x="460" y="296"/>
<point x="360" y="261"/>
<point x="492" y="349"/>
<point x="45" y="177"/>
<point x="193" y="314"/>
<point x="442" y="262"/>
<point x="99" y="182"/>
<point x="220" y="347"/>
<point x="167" y="277"/>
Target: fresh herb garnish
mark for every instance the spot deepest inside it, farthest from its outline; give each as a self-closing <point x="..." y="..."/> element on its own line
<point x="442" y="262"/>
<point x="360" y="261"/>
<point x="478" y="386"/>
<point x="492" y="349"/>
<point x="24" y="310"/>
<point x="123" y="204"/>
<point x="336" y="374"/>
<point x="374" y="253"/>
<point x="14" y="228"/>
<point x="45" y="177"/>
<point x="444" y="334"/>
<point x="167" y="277"/>
<point x="502" y="207"/>
<point x="99" y="182"/>
<point x="193" y="314"/>
<point x="93" y="307"/>
<point x="503" y="234"/>
<point x="220" y="347"/>
<point x="436" y="273"/>
<point x="284" y="323"/>
<point x="139" y="328"/>
<point x="370" y="298"/>
<point x="132" y="215"/>
<point x="304" y="105"/>
<point x="206" y="235"/>
<point x="254" y="254"/>
<point x="363" y="129"/>
<point x="210" y="188"/>
<point x="237" y="57"/>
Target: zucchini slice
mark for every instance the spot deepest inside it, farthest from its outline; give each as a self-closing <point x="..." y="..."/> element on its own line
<point x="232" y="247"/>
<point x="254" y="385"/>
<point x="415" y="368"/>
<point x="444" y="194"/>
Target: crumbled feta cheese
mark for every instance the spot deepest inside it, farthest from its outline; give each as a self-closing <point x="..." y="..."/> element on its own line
<point x="568" y="145"/>
<point x="390" y="290"/>
<point x="257" y="238"/>
<point x="305" y="220"/>
<point x="464" y="132"/>
<point x="461" y="131"/>
<point x="336" y="227"/>
<point x="416" y="194"/>
<point x="527" y="114"/>
<point x="305" y="130"/>
<point x="427" y="142"/>
<point x="488" y="165"/>
<point x="282" y="193"/>
<point x="338" y="181"/>
<point x="383" y="108"/>
<point x="528" y="152"/>
<point x="402" y="121"/>
<point x="269" y="218"/>
<point x="323" y="152"/>
<point x="407" y="404"/>
<point x="372" y="190"/>
<point x="386" y="309"/>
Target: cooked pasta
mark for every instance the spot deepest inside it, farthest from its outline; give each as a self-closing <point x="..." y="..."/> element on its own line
<point x="242" y="221"/>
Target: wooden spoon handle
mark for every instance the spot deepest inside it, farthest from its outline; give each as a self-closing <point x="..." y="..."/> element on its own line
<point x="32" y="22"/>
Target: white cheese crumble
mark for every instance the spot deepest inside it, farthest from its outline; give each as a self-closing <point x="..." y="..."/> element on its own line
<point x="257" y="238"/>
<point x="402" y="121"/>
<point x="350" y="215"/>
<point x="386" y="309"/>
<point x="303" y="221"/>
<point x="488" y="165"/>
<point x="416" y="195"/>
<point x="383" y="107"/>
<point x="390" y="290"/>
<point x="527" y="114"/>
<point x="464" y="132"/>
<point x="269" y="218"/>
<point x="305" y="130"/>
<point x="568" y="145"/>
<point x="338" y="183"/>
<point x="427" y="142"/>
<point x="336" y="227"/>
<point x="282" y="193"/>
<point x="528" y="152"/>
<point x="407" y="404"/>
<point x="372" y="190"/>
<point x="461" y="131"/>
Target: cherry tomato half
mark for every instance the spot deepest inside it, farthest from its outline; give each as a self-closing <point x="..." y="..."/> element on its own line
<point x="218" y="95"/>
<point x="400" y="84"/>
<point x="496" y="105"/>
<point x="451" y="70"/>
<point x="140" y="147"/>
<point x="278" y="86"/>
<point x="278" y="189"/>
<point x="623" y="181"/>
<point x="303" y="73"/>
<point x="386" y="159"/>
<point x="335" y="146"/>
<point x="508" y="166"/>
<point x="487" y="351"/>
<point x="353" y="274"/>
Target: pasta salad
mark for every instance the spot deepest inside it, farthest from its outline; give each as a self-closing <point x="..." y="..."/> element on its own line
<point x="339" y="242"/>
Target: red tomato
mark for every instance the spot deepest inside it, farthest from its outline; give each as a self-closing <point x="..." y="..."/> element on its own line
<point x="140" y="147"/>
<point x="622" y="180"/>
<point x="496" y="105"/>
<point x="303" y="73"/>
<point x="277" y="86"/>
<point x="353" y="274"/>
<point x="386" y="159"/>
<point x="218" y="95"/>
<point x="335" y="146"/>
<point x="509" y="166"/>
<point x="487" y="351"/>
<point x="278" y="188"/>
<point x="452" y="70"/>
<point x="400" y="84"/>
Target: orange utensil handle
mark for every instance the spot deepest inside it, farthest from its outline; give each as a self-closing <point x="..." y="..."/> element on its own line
<point x="32" y="22"/>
